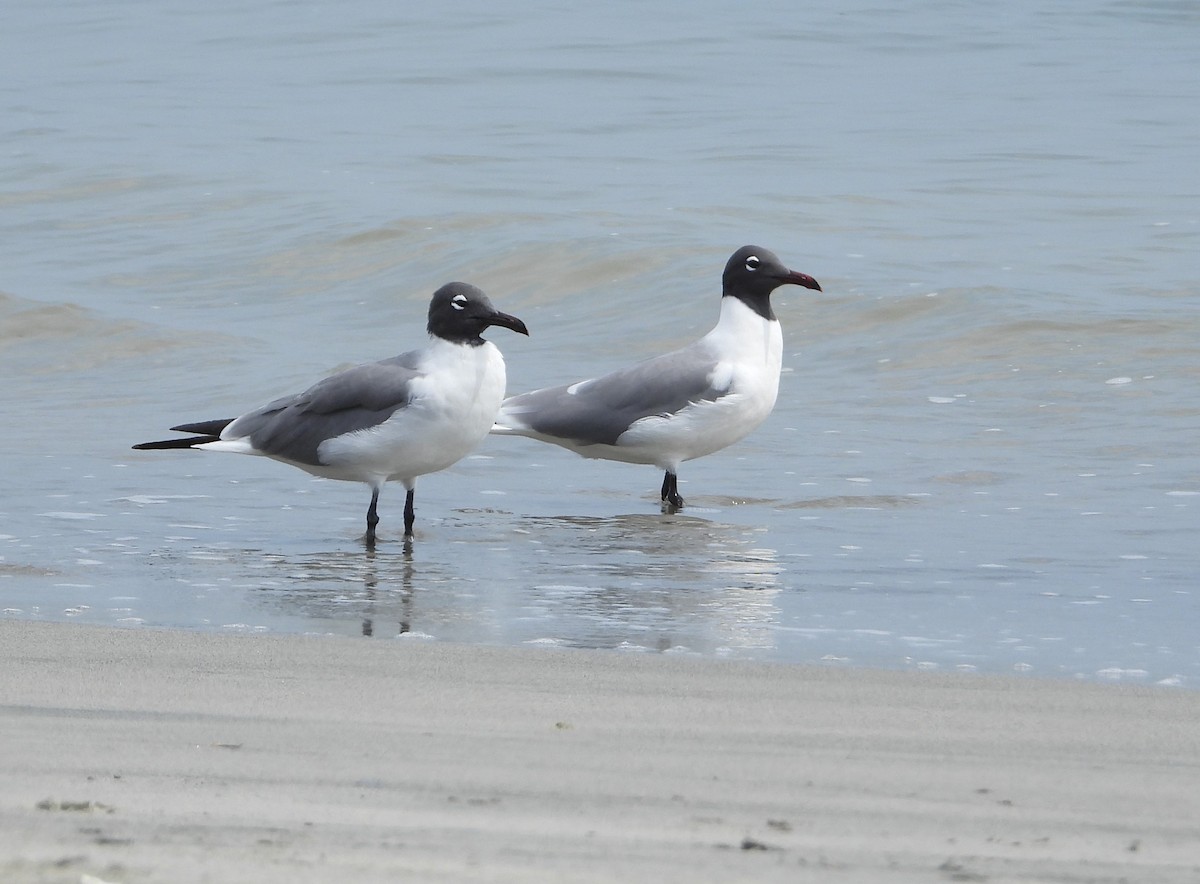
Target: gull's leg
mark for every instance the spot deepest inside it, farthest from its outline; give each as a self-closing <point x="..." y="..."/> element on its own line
<point x="372" y="517"/>
<point x="410" y="514"/>
<point x="670" y="493"/>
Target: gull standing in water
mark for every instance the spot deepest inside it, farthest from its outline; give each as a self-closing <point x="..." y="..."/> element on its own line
<point x="394" y="420"/>
<point x="681" y="405"/>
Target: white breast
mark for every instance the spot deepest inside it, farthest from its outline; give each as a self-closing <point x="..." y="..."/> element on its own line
<point x="749" y="355"/>
<point x="453" y="406"/>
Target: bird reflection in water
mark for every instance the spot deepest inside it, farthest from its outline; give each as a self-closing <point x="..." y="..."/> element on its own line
<point x="649" y="581"/>
<point x="371" y="584"/>
<point x="335" y="589"/>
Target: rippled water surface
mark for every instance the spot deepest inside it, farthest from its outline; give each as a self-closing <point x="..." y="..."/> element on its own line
<point x="983" y="455"/>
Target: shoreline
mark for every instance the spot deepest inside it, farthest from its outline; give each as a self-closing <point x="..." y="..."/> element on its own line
<point x="149" y="755"/>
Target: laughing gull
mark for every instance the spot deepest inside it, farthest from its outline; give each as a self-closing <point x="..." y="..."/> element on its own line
<point x="680" y="405"/>
<point x="415" y="413"/>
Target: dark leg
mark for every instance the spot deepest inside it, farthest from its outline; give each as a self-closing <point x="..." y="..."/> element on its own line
<point x="670" y="493"/>
<point x="372" y="517"/>
<point x="410" y="514"/>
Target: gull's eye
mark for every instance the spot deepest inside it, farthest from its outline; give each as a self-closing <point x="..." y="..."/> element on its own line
<point x="459" y="302"/>
<point x="752" y="263"/>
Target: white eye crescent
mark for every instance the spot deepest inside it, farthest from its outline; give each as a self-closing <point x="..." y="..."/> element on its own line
<point x="458" y="302"/>
<point x="752" y="263"/>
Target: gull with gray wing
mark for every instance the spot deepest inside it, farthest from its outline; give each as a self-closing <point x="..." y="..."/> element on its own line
<point x="681" y="405"/>
<point x="393" y="420"/>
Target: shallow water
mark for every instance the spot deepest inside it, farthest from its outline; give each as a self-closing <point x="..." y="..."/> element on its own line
<point x="981" y="456"/>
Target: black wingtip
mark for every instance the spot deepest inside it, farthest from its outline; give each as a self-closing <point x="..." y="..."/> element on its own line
<point x="165" y="444"/>
<point x="207" y="428"/>
<point x="209" y="431"/>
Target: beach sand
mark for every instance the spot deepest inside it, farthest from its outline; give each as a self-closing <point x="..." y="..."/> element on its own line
<point x="134" y="755"/>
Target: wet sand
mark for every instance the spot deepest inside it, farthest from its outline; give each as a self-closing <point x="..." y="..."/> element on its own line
<point x="142" y="755"/>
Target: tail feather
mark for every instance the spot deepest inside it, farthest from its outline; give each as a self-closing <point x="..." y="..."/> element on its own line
<point x="508" y="421"/>
<point x="210" y="432"/>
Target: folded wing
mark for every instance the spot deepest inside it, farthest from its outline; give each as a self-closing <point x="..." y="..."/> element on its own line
<point x="294" y="427"/>
<point x="598" y="411"/>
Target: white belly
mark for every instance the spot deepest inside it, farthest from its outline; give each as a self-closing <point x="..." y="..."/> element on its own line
<point x="452" y="409"/>
<point x="695" y="431"/>
<point x="751" y="351"/>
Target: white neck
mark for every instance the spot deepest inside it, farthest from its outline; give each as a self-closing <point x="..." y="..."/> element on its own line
<point x="741" y="335"/>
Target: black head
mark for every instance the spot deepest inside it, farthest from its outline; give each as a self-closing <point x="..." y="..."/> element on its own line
<point x="460" y="312"/>
<point x="753" y="273"/>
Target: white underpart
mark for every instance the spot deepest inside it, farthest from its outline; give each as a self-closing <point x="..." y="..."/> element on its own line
<point x="749" y="350"/>
<point x="747" y="354"/>
<point x="453" y="406"/>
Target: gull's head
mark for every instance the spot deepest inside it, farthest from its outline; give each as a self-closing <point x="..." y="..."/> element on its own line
<point x="754" y="270"/>
<point x="460" y="312"/>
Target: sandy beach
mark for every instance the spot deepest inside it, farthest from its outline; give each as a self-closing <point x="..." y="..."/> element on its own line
<point x="141" y="755"/>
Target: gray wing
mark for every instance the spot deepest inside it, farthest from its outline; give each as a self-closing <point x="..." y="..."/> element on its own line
<point x="364" y="396"/>
<point x="600" y="410"/>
